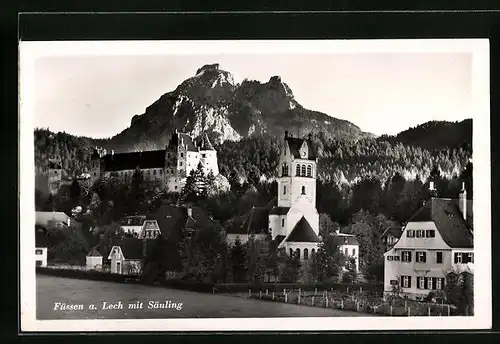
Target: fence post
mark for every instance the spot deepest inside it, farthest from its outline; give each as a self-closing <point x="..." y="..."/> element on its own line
<point x="341" y="303"/>
<point x="273" y="295"/>
<point x="286" y="298"/>
<point x="298" y="300"/>
<point x="405" y="305"/>
<point x="448" y="310"/>
<point x="284" y="291"/>
<point x="429" y="311"/>
<point x="299" y="291"/>
<point x="374" y="309"/>
<point x="391" y="310"/>
<point x="357" y="306"/>
<point x="326" y="302"/>
<point x="315" y="291"/>
<point x="267" y="292"/>
<point x="249" y="292"/>
<point x="312" y="300"/>
<point x="409" y="311"/>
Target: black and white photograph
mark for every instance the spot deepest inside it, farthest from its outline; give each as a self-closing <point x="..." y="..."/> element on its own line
<point x="255" y="185"/>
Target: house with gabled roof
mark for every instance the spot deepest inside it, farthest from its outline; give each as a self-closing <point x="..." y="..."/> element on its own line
<point x="127" y="255"/>
<point x="436" y="240"/>
<point x="94" y="259"/>
<point x="391" y="235"/>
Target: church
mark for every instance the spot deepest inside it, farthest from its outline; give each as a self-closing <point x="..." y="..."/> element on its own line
<point x="294" y="222"/>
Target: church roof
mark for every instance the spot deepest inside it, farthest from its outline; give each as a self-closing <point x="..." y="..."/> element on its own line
<point x="449" y="221"/>
<point x="279" y="211"/>
<point x="303" y="232"/>
<point x="294" y="145"/>
<point x="133" y="160"/>
<point x="94" y="252"/>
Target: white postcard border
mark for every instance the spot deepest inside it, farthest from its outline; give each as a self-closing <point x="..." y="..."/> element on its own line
<point x="479" y="48"/>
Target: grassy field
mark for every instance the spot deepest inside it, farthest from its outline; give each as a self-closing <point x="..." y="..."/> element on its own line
<point x="51" y="290"/>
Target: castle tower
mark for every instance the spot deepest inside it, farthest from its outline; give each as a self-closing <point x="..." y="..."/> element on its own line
<point x="208" y="156"/>
<point x="55" y="175"/>
<point x="95" y="165"/>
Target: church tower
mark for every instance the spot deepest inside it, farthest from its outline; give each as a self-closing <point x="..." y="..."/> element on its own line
<point x="55" y="175"/>
<point x="295" y="220"/>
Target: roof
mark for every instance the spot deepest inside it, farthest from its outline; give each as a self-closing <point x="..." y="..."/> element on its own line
<point x="137" y="220"/>
<point x="205" y="143"/>
<point x="294" y="145"/>
<point x="42" y="218"/>
<point x="449" y="221"/>
<point x="133" y="248"/>
<point x="94" y="252"/>
<point x="279" y="211"/>
<point x="131" y="161"/>
<point x="173" y="219"/>
<point x="394" y="231"/>
<point x="187" y="141"/>
<point x="303" y="232"/>
<point x="346" y="239"/>
<point x="253" y="222"/>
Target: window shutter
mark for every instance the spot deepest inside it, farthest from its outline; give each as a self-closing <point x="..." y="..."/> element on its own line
<point x="409" y="281"/>
<point x="456" y="258"/>
<point x="409" y="256"/>
<point x="425" y="257"/>
<point x="442" y="283"/>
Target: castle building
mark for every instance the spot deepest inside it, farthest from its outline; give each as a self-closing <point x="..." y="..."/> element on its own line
<point x="168" y="167"/>
<point x="294" y="222"/>
<point x="437" y="239"/>
<point x="55" y="175"/>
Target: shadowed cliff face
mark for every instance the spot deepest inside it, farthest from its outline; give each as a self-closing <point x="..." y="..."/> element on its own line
<point x="211" y="102"/>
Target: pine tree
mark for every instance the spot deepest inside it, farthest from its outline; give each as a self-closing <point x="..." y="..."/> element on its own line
<point x="237" y="254"/>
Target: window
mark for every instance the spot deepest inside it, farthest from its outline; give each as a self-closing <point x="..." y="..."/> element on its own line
<point x="297" y="252"/>
<point x="346" y="252"/>
<point x="410" y="233"/>
<point x="406" y="256"/>
<point x="282" y="222"/>
<point x="203" y="155"/>
<point x="303" y="190"/>
<point x="470" y="257"/>
<point x="406" y="281"/>
<point x="55" y="172"/>
<point x="304" y="170"/>
<point x="180" y="164"/>
<point x="430" y="233"/>
<point x="291" y="252"/>
<point x="297" y="170"/>
<point x="420" y="283"/>
<point x="420" y="233"/>
<point x="38" y="263"/>
<point x="175" y="187"/>
<point x="430" y="283"/>
<point x="182" y="155"/>
<point x="439" y="257"/>
<point x="390" y="258"/>
<point x="309" y="171"/>
<point x="38" y="252"/>
<point x="439" y="283"/>
<point x="458" y="258"/>
<point x="306" y="253"/>
<point x="354" y="252"/>
<point x="313" y="251"/>
<point x="160" y="171"/>
<point x="284" y="189"/>
<point x="420" y="257"/>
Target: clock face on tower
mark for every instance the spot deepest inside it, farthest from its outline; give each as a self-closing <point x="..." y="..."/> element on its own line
<point x="303" y="154"/>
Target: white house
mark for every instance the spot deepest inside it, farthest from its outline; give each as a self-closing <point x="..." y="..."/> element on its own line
<point x="294" y="222"/>
<point x="150" y="229"/>
<point x="349" y="246"/>
<point x="127" y="255"/>
<point x="94" y="259"/>
<point x="437" y="239"/>
<point x="41" y="256"/>
<point x="133" y="224"/>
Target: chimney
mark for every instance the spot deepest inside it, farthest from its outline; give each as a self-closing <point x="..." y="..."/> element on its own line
<point x="432" y="190"/>
<point x="462" y="201"/>
<point x="144" y="248"/>
<point x="190" y="212"/>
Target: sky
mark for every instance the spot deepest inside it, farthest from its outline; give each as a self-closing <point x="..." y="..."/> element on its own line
<point x="382" y="93"/>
